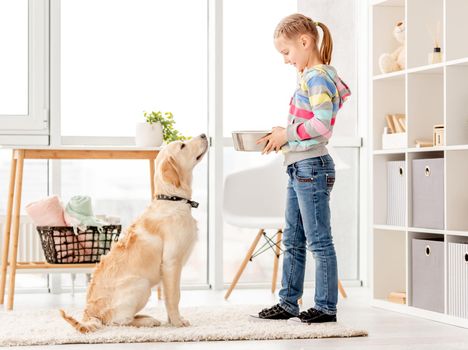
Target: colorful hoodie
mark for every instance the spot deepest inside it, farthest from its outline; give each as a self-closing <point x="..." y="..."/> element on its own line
<point x="312" y="113"/>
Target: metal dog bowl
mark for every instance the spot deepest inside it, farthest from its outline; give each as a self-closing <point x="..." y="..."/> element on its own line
<point x="246" y="140"/>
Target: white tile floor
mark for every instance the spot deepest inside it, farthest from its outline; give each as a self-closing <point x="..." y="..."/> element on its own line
<point x="387" y="330"/>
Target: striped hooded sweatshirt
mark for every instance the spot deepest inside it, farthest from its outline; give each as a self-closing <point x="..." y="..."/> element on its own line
<point x="312" y="113"/>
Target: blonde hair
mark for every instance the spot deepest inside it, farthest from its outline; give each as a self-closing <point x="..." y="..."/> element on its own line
<point x="292" y="26"/>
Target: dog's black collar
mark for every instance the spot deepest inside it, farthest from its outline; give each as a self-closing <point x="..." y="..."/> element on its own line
<point x="193" y="204"/>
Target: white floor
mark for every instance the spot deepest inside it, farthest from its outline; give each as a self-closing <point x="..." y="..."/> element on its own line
<point x="387" y="330"/>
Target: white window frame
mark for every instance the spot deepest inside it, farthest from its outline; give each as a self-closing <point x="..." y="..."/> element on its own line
<point x="45" y="13"/>
<point x="33" y="128"/>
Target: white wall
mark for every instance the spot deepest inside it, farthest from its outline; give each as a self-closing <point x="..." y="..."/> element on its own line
<point x="339" y="17"/>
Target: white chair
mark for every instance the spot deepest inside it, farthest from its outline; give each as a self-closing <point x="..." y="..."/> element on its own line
<point x="256" y="198"/>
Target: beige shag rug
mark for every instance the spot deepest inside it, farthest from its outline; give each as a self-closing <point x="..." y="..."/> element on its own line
<point x="46" y="327"/>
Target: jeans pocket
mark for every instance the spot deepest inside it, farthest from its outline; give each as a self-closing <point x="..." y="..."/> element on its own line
<point x="330" y="181"/>
<point x="304" y="174"/>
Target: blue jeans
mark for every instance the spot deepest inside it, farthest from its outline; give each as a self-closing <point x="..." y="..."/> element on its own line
<point x="308" y="228"/>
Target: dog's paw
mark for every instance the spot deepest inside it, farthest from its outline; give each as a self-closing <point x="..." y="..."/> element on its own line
<point x="153" y="323"/>
<point x="180" y="322"/>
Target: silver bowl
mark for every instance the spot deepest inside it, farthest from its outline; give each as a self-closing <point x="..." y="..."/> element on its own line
<point x="246" y="140"/>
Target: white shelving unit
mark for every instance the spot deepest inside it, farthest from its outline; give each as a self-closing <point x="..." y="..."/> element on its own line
<point x="428" y="94"/>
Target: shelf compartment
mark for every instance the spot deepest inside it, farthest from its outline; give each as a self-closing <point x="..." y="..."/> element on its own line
<point x="381" y="187"/>
<point x="386" y="14"/>
<point x="389" y="98"/>
<point x="457" y="276"/>
<point x="423" y="17"/>
<point x="389" y="273"/>
<point x="426" y="271"/>
<point x="457" y="190"/>
<point x="457" y="27"/>
<point x="456" y="106"/>
<point x="411" y="158"/>
<point x="425" y="104"/>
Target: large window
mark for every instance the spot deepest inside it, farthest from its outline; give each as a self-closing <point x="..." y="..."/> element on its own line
<point x="257" y="84"/>
<point x="102" y="63"/>
<point x="23" y="70"/>
<point x="14" y="58"/>
<point x="257" y="90"/>
<point x="122" y="57"/>
<point x="149" y="55"/>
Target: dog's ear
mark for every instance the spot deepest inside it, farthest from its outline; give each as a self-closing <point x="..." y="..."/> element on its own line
<point x="170" y="171"/>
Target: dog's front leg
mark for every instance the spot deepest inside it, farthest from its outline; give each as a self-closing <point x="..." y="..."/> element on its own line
<point x="171" y="273"/>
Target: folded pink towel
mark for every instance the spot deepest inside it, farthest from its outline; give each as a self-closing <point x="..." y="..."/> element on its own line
<point x="46" y="212"/>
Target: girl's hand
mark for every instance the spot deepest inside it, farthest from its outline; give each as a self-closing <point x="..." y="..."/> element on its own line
<point x="275" y="140"/>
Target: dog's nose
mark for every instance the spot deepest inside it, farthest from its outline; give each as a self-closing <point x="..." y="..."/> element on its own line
<point x="203" y="136"/>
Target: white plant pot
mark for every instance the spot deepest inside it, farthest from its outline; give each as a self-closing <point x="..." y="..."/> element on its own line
<point x="148" y="135"/>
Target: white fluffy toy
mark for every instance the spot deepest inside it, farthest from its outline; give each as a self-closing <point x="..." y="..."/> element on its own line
<point x="395" y="61"/>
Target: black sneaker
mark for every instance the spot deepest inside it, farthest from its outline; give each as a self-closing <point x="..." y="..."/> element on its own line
<point x="275" y="312"/>
<point x="313" y="316"/>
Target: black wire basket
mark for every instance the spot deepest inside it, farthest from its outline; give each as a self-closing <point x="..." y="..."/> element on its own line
<point x="66" y="245"/>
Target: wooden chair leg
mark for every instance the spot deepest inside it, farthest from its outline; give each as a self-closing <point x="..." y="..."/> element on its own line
<point x="244" y="263"/>
<point x="276" y="261"/>
<point x="342" y="290"/>
<point x="7" y="229"/>
<point x="15" y="229"/>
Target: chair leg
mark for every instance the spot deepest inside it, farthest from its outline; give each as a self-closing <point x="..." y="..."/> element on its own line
<point x="244" y="263"/>
<point x="342" y="290"/>
<point x="276" y="261"/>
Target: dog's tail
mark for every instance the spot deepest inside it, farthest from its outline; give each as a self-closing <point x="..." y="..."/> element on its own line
<point x="90" y="325"/>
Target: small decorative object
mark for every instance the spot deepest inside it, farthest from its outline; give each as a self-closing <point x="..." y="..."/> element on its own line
<point x="423" y="143"/>
<point x="397" y="297"/>
<point x="156" y="129"/>
<point x="394" y="135"/>
<point x="396" y="123"/>
<point x="438" y="139"/>
<point x="399" y="120"/>
<point x="395" y="61"/>
<point x="436" y="55"/>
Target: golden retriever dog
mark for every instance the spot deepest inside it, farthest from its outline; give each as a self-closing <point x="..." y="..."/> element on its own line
<point x="153" y="250"/>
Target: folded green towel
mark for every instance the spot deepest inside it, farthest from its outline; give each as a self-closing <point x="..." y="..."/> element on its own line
<point x="79" y="212"/>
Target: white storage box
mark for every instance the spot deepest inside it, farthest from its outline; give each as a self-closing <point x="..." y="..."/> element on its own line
<point x="396" y="193"/>
<point x="427" y="260"/>
<point x="428" y="193"/>
<point x="393" y="141"/>
<point x="457" y="288"/>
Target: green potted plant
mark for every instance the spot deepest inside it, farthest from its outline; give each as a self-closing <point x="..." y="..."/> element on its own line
<point x="158" y="128"/>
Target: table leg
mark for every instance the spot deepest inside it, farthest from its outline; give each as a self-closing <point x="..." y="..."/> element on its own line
<point x="151" y="161"/>
<point x="7" y="228"/>
<point x="15" y="229"/>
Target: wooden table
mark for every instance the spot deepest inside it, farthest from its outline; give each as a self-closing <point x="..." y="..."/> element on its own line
<point x="14" y="201"/>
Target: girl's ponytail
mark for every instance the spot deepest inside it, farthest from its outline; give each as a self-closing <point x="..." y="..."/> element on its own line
<point x="326" y="47"/>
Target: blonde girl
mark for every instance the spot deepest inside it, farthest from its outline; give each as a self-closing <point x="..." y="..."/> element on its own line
<point x="312" y="114"/>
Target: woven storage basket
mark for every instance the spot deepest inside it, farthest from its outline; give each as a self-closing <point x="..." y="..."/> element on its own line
<point x="62" y="245"/>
